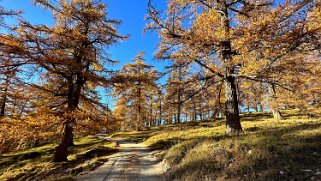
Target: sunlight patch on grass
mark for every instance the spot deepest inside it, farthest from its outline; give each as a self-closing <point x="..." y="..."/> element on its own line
<point x="268" y="149"/>
<point x="36" y="163"/>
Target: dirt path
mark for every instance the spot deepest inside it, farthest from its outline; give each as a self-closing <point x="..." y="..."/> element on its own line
<point x="134" y="161"/>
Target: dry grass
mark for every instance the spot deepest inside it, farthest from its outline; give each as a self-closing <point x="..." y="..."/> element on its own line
<point x="36" y="163"/>
<point x="268" y="150"/>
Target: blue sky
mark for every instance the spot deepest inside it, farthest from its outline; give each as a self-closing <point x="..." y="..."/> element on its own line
<point x="130" y="12"/>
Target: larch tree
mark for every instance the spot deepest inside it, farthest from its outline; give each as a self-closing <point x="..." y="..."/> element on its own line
<point x="71" y="58"/>
<point x="121" y="113"/>
<point x="138" y="85"/>
<point x="175" y="88"/>
<point x="7" y="70"/>
<point x="235" y="40"/>
<point x="282" y="44"/>
<point x="11" y="88"/>
<point x="160" y="105"/>
<point x="154" y="106"/>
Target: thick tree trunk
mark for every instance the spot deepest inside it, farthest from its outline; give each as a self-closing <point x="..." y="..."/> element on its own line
<point x="233" y="123"/>
<point x="71" y="139"/>
<point x="75" y="86"/>
<point x="277" y="114"/>
<point x="61" y="152"/>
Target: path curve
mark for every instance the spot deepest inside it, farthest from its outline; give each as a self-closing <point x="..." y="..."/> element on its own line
<point x="134" y="162"/>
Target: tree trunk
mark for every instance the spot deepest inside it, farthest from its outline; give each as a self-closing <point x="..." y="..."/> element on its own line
<point x="61" y="152"/>
<point x="262" y="107"/>
<point x="178" y="115"/>
<point x="139" y="116"/>
<point x="219" y="114"/>
<point x="175" y="118"/>
<point x="3" y="105"/>
<point x="274" y="109"/>
<point x="75" y="86"/>
<point x="4" y="99"/>
<point x="179" y="107"/>
<point x="194" y="112"/>
<point x="160" y="110"/>
<point x="215" y="114"/>
<point x="151" y="115"/>
<point x="179" y="95"/>
<point x="277" y="114"/>
<point x="233" y="123"/>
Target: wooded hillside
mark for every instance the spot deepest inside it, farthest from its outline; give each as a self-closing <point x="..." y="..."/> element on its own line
<point x="224" y="58"/>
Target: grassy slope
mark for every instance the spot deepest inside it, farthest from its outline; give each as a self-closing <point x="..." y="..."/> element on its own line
<point x="268" y="149"/>
<point x="35" y="164"/>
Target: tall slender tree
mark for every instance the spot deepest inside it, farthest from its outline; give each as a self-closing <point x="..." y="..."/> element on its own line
<point x="138" y="86"/>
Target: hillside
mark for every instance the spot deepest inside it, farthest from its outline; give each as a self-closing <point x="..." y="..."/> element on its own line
<point x="160" y="90"/>
<point x="267" y="150"/>
<point x="36" y="163"/>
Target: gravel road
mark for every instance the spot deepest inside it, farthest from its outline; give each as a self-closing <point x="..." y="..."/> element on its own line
<point x="134" y="162"/>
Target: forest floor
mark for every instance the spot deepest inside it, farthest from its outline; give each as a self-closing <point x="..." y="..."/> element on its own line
<point x="288" y="149"/>
<point x="89" y="153"/>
